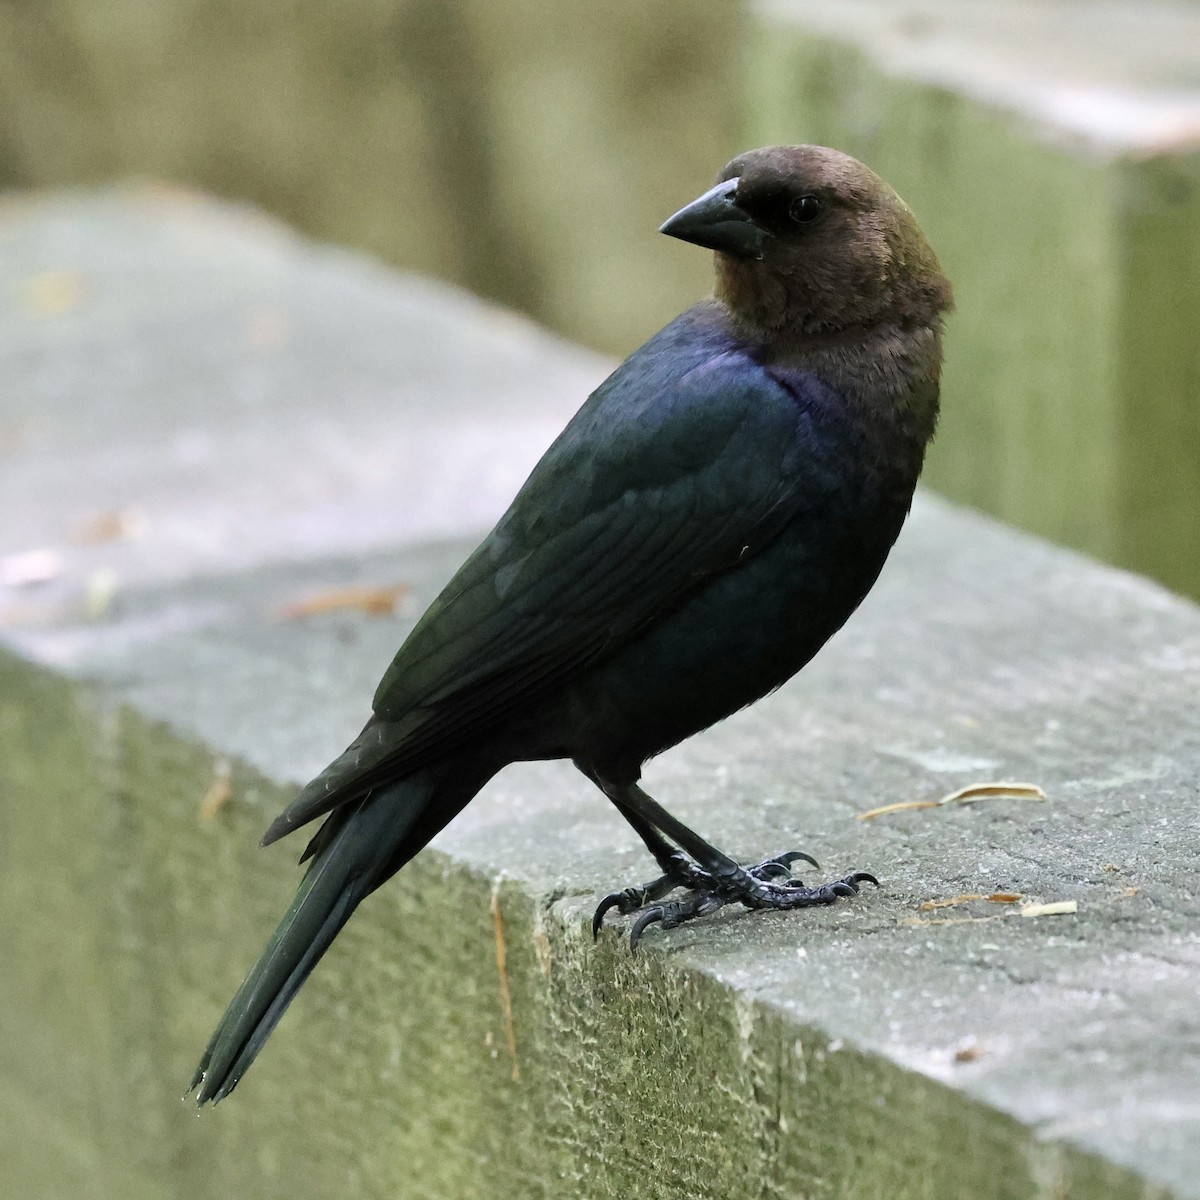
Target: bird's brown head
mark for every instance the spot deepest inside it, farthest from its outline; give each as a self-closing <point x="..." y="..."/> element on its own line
<point x="809" y="241"/>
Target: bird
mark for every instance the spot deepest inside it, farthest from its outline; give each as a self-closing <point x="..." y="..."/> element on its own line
<point x="708" y="519"/>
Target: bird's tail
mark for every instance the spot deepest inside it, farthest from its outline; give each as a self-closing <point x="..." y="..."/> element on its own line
<point x="361" y="850"/>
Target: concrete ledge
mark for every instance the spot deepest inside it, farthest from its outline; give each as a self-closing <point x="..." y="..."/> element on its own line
<point x="1053" y="156"/>
<point x="829" y="1054"/>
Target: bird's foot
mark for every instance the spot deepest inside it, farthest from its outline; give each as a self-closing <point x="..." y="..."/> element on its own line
<point x="678" y="872"/>
<point x="768" y="884"/>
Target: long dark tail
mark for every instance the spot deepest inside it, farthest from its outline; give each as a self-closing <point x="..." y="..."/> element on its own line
<point x="360" y="850"/>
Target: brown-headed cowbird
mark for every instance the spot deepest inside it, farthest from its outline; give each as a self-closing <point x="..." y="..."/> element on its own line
<point x="708" y="519"/>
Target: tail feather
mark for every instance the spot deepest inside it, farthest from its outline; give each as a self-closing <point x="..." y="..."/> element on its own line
<point x="346" y="868"/>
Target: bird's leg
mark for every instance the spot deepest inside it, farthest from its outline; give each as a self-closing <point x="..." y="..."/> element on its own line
<point x="712" y="878"/>
<point x="678" y="871"/>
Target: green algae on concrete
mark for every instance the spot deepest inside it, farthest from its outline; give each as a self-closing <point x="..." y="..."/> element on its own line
<point x="393" y="1074"/>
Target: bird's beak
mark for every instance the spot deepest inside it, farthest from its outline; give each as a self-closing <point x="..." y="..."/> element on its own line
<point x="716" y="222"/>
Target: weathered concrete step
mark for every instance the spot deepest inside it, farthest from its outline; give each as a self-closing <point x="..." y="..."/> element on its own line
<point x="1052" y="153"/>
<point x="832" y="1054"/>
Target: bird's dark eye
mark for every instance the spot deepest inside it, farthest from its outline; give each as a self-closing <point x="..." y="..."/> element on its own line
<point x="805" y="209"/>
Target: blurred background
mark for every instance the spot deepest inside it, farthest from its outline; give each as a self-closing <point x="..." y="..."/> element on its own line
<point x="528" y="151"/>
<point x="213" y="434"/>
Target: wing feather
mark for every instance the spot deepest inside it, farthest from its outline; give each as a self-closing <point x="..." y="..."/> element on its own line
<point x="607" y="536"/>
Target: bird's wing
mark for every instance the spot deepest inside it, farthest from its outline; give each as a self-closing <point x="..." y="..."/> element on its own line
<point x="648" y="493"/>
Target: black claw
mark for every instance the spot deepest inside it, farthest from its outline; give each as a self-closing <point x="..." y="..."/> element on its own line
<point x="631" y="899"/>
<point x="790" y="856"/>
<point x="768" y="884"/>
<point x="609" y="901"/>
<point x="771" y="869"/>
<point x="647" y="918"/>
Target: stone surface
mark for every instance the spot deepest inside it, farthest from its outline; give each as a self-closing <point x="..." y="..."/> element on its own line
<point x="1054" y="162"/>
<point x="169" y="381"/>
<point x="839" y="1053"/>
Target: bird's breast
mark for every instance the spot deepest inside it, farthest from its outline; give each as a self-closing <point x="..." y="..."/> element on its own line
<point x="739" y="637"/>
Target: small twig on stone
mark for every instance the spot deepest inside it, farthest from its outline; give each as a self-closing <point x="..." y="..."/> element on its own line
<point x="971" y="794"/>
<point x="219" y="791"/>
<point x="374" y="601"/>
<point x="994" y="898"/>
<point x="510" y="1030"/>
<point x="1056" y="908"/>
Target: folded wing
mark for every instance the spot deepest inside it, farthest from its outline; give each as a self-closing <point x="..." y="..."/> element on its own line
<point x="641" y="501"/>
